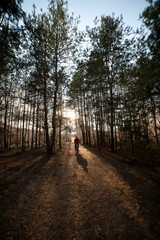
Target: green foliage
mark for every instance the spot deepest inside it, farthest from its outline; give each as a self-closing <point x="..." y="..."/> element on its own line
<point x="114" y="88"/>
<point x="151" y="19"/>
<point x="11" y="10"/>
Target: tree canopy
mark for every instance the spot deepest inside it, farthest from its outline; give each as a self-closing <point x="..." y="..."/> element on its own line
<point x="112" y="81"/>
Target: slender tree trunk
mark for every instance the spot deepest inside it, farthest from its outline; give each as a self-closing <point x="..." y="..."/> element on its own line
<point x="17" y="138"/>
<point x="112" y="120"/>
<point x="131" y="131"/>
<point x="40" y="127"/>
<point x="5" y="123"/>
<point x="60" y="129"/>
<point x="54" y="121"/>
<point x="46" y="115"/>
<point x="9" y="123"/>
<point x="93" y="132"/>
<point x="26" y="127"/>
<point x="81" y="114"/>
<point x="1" y="129"/>
<point x="37" y="123"/>
<point x="29" y="130"/>
<point x="11" y="127"/>
<point x="33" y="120"/>
<point x="55" y="97"/>
<point x="23" y="133"/>
<point x="131" y="139"/>
<point x="97" y="136"/>
<point x="154" y="119"/>
<point x="111" y="107"/>
<point x="89" y="132"/>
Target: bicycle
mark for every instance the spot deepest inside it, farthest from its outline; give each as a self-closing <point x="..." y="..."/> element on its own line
<point x="76" y="146"/>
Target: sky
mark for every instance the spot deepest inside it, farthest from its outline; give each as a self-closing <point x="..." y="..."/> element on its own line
<point x="89" y="9"/>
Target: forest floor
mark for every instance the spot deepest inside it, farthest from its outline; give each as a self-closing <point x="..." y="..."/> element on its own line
<point x="84" y="195"/>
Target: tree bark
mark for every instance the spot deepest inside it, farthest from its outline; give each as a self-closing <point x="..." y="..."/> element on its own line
<point x="154" y="119"/>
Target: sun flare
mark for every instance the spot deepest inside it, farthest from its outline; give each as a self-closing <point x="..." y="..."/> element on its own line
<point x="71" y="114"/>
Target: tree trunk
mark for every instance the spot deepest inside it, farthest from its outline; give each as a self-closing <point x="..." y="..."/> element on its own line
<point x="40" y="126"/>
<point x="111" y="108"/>
<point x="33" y="118"/>
<point x="17" y="138"/>
<point x="28" y="130"/>
<point x="55" y="97"/>
<point x="46" y="115"/>
<point x="37" y="122"/>
<point x="97" y="136"/>
<point x="60" y="124"/>
<point x="5" y="123"/>
<point x="154" y="119"/>
<point x="23" y="133"/>
<point x="112" y="120"/>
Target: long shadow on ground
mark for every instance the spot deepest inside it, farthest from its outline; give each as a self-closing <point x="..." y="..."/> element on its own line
<point x="21" y="181"/>
<point x="83" y="162"/>
<point x="82" y="207"/>
<point x="147" y="192"/>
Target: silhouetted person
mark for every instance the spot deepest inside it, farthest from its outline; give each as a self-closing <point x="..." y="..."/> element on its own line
<point x="76" y="142"/>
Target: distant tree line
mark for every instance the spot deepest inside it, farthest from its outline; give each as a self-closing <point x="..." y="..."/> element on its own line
<point x="115" y="88"/>
<point x="33" y="74"/>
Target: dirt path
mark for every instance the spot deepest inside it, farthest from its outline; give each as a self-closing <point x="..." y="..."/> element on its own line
<point x="76" y="196"/>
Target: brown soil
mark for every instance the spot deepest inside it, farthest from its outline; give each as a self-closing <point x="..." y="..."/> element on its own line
<point x="83" y="195"/>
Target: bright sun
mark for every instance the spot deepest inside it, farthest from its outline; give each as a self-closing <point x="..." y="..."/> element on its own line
<point x="70" y="114"/>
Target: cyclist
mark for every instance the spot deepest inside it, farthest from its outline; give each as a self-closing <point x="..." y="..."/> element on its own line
<point x="76" y="142"/>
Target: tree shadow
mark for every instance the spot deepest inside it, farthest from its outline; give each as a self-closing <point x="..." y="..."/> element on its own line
<point x="81" y="161"/>
<point x="20" y="181"/>
<point x="89" y="205"/>
<point x="139" y="180"/>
